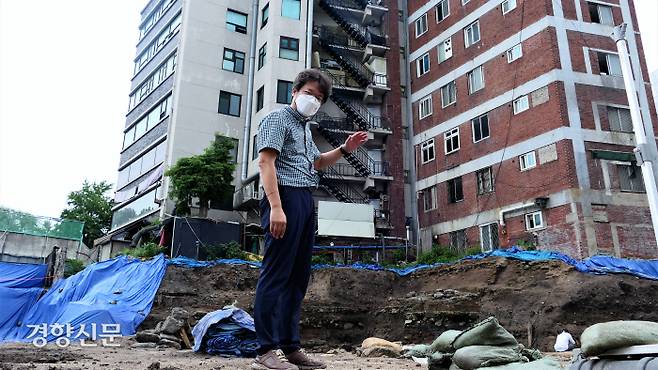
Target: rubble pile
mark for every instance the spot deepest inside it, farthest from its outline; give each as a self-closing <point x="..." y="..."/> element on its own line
<point x="174" y="331"/>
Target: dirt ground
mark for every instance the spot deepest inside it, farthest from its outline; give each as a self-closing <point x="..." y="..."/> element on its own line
<point x="27" y="357"/>
<point x="51" y="357"/>
<point x="345" y="306"/>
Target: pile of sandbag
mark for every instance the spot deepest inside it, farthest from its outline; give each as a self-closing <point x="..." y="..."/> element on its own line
<point x="486" y="344"/>
<point x="600" y="339"/>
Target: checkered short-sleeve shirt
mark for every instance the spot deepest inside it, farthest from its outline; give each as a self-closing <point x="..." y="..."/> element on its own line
<point x="287" y="132"/>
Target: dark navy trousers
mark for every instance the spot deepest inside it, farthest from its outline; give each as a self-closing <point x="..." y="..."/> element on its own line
<point x="285" y="271"/>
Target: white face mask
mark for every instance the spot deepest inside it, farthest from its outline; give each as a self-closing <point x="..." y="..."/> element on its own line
<point x="307" y="105"/>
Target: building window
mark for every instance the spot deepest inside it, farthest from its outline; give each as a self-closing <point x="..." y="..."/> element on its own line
<point x="291" y="8"/>
<point x="254" y="148"/>
<point x="480" y="128"/>
<point x="233" y="61"/>
<point x="458" y="240"/>
<point x="514" y="53"/>
<point x="142" y="165"/>
<point x="472" y="34"/>
<point x="620" y="119"/>
<point x="609" y="64"/>
<point x="448" y="94"/>
<point x="264" y="15"/>
<point x="451" y="140"/>
<point x="600" y="13"/>
<point x="445" y="50"/>
<point x="427" y="151"/>
<point x="423" y="65"/>
<point x="421" y="25"/>
<point x="429" y="199"/>
<point x="163" y="72"/>
<point x="630" y="178"/>
<point x="475" y="80"/>
<point x="508" y="6"/>
<point x="147" y="122"/>
<point x="261" y="56"/>
<point x="485" y="180"/>
<point x="528" y="161"/>
<point x="425" y="107"/>
<point x="152" y="19"/>
<point x="260" y="98"/>
<point x="455" y="191"/>
<point x="284" y="92"/>
<point x="236" y="21"/>
<point x="521" y="104"/>
<point x="229" y="103"/>
<point x="442" y="10"/>
<point x="489" y="237"/>
<point x="534" y="221"/>
<point x="167" y="34"/>
<point x="289" y="48"/>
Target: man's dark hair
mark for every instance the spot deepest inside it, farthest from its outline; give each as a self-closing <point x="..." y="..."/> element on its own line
<point x="310" y="75"/>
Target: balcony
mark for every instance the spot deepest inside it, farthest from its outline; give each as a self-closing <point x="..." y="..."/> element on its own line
<point x="248" y="197"/>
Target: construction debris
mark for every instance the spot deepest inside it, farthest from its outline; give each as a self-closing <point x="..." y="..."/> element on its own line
<point x="172" y="332"/>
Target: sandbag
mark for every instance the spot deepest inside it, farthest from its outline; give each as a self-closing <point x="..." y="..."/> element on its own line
<point x="487" y="333"/>
<point x="543" y="364"/>
<point x="606" y="336"/>
<point x="419" y="350"/>
<point x="439" y="361"/>
<point x="378" y="342"/>
<point x="473" y="357"/>
<point x="444" y="341"/>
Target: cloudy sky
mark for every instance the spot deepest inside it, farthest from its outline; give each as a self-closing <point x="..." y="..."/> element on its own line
<point x="65" y="69"/>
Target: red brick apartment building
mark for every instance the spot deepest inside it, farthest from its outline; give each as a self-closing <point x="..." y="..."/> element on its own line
<point x="521" y="126"/>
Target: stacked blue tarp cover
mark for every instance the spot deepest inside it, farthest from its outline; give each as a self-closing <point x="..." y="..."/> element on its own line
<point x="21" y="285"/>
<point x="227" y="332"/>
<point x="647" y="269"/>
<point x="110" y="298"/>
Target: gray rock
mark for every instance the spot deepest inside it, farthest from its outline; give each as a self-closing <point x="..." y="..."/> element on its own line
<point x="199" y="314"/>
<point x="158" y="327"/>
<point x="172" y="338"/>
<point x="171" y="325"/>
<point x="168" y="343"/>
<point x="379" y="352"/>
<point x="179" y="313"/>
<point x="143" y="345"/>
<point x="146" y="337"/>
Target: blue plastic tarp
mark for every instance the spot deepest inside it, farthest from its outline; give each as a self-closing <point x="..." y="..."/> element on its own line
<point x="22" y="275"/>
<point x="237" y="316"/>
<point x="647" y="269"/>
<point x="109" y="298"/>
<point x="21" y="284"/>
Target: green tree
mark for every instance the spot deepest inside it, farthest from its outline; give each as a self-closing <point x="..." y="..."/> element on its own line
<point x="92" y="206"/>
<point x="206" y="176"/>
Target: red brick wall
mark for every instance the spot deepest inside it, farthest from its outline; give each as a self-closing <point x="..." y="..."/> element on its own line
<point x="505" y="128"/>
<point x="494" y="28"/>
<point x="511" y="185"/>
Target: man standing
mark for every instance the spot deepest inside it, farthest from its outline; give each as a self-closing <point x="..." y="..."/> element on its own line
<point x="288" y="160"/>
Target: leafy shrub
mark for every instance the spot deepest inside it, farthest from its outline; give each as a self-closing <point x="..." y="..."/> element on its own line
<point x="72" y="267"/>
<point x="440" y="254"/>
<point x="322" y="259"/>
<point x="228" y="250"/>
<point x="146" y="250"/>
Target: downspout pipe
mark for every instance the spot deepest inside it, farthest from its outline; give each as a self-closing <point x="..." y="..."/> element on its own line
<point x="309" y="33"/>
<point x="411" y="150"/>
<point x="250" y="91"/>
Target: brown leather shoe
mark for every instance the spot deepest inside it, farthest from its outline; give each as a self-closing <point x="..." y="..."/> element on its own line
<point x="304" y="362"/>
<point x="273" y="360"/>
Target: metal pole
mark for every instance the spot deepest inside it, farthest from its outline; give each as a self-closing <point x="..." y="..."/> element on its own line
<point x="642" y="151"/>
